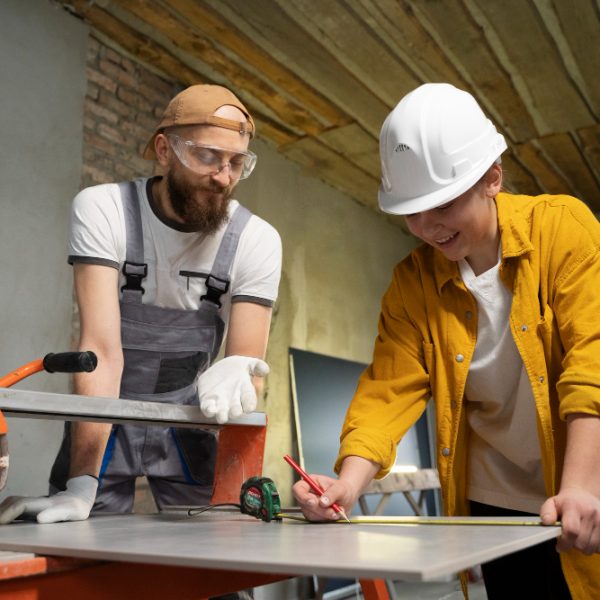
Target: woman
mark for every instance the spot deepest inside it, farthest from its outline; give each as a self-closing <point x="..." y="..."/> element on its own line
<point x="496" y="317"/>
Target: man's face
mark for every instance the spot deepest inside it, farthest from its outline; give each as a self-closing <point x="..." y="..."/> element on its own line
<point x="201" y="200"/>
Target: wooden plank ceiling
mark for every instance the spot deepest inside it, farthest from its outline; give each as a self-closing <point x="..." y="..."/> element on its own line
<point x="320" y="76"/>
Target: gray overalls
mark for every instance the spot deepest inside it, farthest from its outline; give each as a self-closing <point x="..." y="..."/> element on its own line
<point x="164" y="351"/>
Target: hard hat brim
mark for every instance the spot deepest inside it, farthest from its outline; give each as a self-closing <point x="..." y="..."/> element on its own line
<point x="391" y="204"/>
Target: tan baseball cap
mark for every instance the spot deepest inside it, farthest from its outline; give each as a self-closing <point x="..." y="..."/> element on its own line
<point x="196" y="105"/>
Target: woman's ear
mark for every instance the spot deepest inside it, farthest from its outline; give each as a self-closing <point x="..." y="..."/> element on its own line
<point x="493" y="180"/>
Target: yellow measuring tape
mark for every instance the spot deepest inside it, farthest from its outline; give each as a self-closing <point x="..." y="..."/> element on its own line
<point x="383" y="520"/>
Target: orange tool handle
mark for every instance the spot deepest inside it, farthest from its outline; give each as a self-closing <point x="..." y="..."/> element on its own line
<point x="11" y="378"/>
<point x="35" y="366"/>
<point x="64" y="362"/>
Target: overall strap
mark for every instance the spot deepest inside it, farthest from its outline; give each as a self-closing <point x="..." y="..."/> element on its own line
<point x="134" y="268"/>
<point x="217" y="283"/>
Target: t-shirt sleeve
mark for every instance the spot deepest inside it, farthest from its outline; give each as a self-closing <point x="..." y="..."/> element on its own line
<point x="257" y="268"/>
<point x="97" y="227"/>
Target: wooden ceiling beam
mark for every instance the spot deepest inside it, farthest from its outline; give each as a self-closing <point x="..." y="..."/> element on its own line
<point x="324" y="163"/>
<point x="369" y="61"/>
<point x="149" y="52"/>
<point x="589" y="141"/>
<point x="353" y="142"/>
<point x="534" y="56"/>
<point x="395" y="24"/>
<point x="280" y="36"/>
<point x="246" y="83"/>
<point x="465" y="42"/>
<point x="534" y="159"/>
<point x="517" y="179"/>
<point x="136" y="44"/>
<point x="226" y="34"/>
<point x="574" y="28"/>
<point x="562" y="151"/>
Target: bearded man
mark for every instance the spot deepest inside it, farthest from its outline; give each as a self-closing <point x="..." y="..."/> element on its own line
<point x="165" y="269"/>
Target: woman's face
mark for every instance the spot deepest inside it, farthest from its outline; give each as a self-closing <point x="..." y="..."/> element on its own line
<point x="466" y="227"/>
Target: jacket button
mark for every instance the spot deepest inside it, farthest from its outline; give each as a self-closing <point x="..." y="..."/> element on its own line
<point x="469" y="315"/>
<point x="446" y="452"/>
<point x="459" y="358"/>
<point x="541" y="379"/>
<point x="523" y="327"/>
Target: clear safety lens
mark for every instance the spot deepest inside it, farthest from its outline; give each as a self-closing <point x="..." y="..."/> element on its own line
<point x="210" y="160"/>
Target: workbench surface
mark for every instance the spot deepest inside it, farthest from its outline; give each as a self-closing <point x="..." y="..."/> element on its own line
<point x="230" y="541"/>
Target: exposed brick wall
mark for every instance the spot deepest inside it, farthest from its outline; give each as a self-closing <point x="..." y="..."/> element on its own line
<point x="124" y="103"/>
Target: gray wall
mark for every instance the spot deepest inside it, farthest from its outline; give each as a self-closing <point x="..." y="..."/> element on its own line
<point x="42" y="83"/>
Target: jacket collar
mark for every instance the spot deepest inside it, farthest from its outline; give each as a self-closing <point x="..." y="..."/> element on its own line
<point x="514" y="236"/>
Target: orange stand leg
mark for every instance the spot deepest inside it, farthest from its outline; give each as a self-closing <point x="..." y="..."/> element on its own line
<point x="374" y="589"/>
<point x="239" y="456"/>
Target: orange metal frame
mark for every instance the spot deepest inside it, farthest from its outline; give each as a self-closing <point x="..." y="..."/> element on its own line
<point x="46" y="578"/>
<point x="11" y="378"/>
<point x="240" y="453"/>
<point x="239" y="456"/>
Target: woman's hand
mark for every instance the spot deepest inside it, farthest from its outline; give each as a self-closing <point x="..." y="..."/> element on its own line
<point x="355" y="474"/>
<point x="579" y="513"/>
<point x="318" y="508"/>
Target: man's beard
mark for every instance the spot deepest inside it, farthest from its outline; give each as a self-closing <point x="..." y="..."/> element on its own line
<point x="203" y="209"/>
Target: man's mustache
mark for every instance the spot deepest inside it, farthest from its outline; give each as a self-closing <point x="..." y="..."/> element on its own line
<point x="215" y="189"/>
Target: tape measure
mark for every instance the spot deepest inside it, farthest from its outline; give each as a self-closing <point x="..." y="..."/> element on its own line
<point x="259" y="497"/>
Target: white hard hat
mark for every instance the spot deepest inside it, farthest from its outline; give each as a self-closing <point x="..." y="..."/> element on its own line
<point x="434" y="146"/>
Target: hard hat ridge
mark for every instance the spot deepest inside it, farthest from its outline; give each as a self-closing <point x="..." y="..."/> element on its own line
<point x="434" y="146"/>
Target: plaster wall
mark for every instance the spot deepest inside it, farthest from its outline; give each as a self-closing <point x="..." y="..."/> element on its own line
<point x="42" y="78"/>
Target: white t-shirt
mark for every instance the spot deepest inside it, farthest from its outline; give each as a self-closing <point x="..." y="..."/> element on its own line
<point x="178" y="262"/>
<point x="504" y="467"/>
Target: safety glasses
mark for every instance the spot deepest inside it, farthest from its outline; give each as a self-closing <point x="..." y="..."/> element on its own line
<point x="210" y="160"/>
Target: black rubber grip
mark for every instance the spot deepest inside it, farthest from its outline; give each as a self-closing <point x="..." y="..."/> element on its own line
<point x="70" y="362"/>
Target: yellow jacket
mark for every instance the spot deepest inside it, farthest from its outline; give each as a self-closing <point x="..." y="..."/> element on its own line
<point x="427" y="334"/>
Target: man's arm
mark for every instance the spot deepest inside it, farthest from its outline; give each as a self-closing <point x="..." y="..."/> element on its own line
<point x="230" y="387"/>
<point x="248" y="333"/>
<point x="577" y="504"/>
<point x="96" y="289"/>
<point x="97" y="298"/>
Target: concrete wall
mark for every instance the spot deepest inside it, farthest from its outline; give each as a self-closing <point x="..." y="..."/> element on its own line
<point x="338" y="255"/>
<point x="42" y="78"/>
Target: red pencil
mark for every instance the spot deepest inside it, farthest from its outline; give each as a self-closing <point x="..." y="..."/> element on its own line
<point x="313" y="484"/>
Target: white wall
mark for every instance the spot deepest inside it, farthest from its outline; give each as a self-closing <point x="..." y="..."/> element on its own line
<point x="42" y="83"/>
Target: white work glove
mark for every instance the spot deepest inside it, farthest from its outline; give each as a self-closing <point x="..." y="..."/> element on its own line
<point x="3" y="459"/>
<point x="225" y="390"/>
<point x="74" y="504"/>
